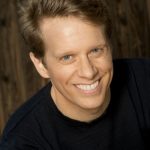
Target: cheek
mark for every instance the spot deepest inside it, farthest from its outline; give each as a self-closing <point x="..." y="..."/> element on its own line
<point x="61" y="74"/>
<point x="108" y="62"/>
<point x="105" y="65"/>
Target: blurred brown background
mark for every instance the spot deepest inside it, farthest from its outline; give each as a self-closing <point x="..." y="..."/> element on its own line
<point x="18" y="78"/>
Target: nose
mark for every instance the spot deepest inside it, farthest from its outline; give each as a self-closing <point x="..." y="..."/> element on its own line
<point x="87" y="69"/>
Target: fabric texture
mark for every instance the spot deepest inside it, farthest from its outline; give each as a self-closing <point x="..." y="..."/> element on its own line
<point x="39" y="125"/>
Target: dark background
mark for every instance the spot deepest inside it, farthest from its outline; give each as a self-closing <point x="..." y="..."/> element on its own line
<point x="19" y="80"/>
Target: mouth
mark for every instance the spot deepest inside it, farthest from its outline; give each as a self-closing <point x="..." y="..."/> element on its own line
<point x="88" y="88"/>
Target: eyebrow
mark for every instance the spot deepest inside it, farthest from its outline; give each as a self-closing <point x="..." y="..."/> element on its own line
<point x="69" y="51"/>
<point x="61" y="54"/>
<point x="101" y="45"/>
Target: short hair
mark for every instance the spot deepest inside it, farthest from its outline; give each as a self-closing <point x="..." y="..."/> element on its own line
<point x="30" y="12"/>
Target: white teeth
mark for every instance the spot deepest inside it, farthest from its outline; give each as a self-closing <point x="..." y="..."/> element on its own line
<point x="88" y="87"/>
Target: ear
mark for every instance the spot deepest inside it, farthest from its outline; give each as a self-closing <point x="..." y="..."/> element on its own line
<point x="39" y="66"/>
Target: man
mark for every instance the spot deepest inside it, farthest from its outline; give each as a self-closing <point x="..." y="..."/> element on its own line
<point x="81" y="108"/>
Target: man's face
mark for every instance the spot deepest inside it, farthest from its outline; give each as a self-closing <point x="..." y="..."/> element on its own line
<point x="79" y="64"/>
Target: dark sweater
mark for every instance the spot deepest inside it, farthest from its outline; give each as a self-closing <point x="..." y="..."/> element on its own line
<point x="38" y="124"/>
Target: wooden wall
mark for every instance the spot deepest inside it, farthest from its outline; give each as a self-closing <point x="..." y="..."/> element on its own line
<point x="18" y="78"/>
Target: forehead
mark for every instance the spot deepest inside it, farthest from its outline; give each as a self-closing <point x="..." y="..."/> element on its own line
<point x="70" y="32"/>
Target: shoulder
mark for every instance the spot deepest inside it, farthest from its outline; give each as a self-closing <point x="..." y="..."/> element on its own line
<point x="135" y="75"/>
<point x="137" y="65"/>
<point x="26" y="113"/>
<point x="134" y="69"/>
<point x="133" y="63"/>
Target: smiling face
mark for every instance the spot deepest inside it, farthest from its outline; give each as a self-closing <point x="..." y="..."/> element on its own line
<point x="79" y="64"/>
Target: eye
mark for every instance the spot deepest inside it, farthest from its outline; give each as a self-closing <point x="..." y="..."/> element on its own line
<point x="99" y="50"/>
<point x="67" y="59"/>
<point x="96" y="50"/>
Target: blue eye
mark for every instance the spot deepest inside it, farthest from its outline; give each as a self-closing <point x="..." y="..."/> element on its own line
<point x="96" y="50"/>
<point x="67" y="57"/>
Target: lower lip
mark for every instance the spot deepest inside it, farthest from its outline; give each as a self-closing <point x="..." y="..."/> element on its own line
<point x="91" y="92"/>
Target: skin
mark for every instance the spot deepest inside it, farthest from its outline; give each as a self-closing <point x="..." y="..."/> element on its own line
<point x="78" y="61"/>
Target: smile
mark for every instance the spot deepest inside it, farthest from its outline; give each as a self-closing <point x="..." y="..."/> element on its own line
<point x="88" y="87"/>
